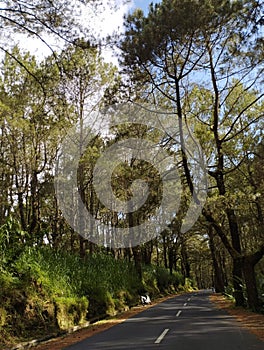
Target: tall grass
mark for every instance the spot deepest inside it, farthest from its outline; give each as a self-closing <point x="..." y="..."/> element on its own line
<point x="47" y="289"/>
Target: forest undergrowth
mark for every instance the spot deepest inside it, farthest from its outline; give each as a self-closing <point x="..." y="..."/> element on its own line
<point x="45" y="291"/>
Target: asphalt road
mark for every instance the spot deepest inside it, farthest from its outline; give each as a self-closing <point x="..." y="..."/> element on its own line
<point x="186" y="322"/>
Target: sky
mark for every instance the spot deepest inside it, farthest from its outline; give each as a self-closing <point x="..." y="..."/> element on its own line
<point x="112" y="21"/>
<point x="104" y="24"/>
<point x="143" y="4"/>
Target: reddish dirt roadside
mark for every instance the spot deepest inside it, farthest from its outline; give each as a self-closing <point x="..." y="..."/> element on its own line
<point x="252" y="321"/>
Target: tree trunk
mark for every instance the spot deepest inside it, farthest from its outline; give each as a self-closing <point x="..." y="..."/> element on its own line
<point x="137" y="259"/>
<point x="237" y="263"/>
<point x="237" y="282"/>
<point x="147" y="252"/>
<point x="165" y="250"/>
<point x="157" y="252"/>
<point x="232" y="249"/>
<point x="219" y="177"/>
<point x="186" y="269"/>
<point x="80" y="213"/>
<point x="171" y="254"/>
<point x="136" y="250"/>
<point x="82" y="247"/>
<point x="128" y="253"/>
<point x="34" y="220"/>
<point x="218" y="278"/>
<point x="249" y="263"/>
<point x="21" y="211"/>
<point x="251" y="285"/>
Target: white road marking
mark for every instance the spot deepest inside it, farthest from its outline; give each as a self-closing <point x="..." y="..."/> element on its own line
<point x="178" y="313"/>
<point x="159" y="339"/>
<point x="184" y="304"/>
<point x="189" y="299"/>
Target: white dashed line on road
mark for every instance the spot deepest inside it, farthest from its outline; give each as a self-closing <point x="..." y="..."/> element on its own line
<point x="178" y="313"/>
<point x="184" y="304"/>
<point x="160" y="338"/>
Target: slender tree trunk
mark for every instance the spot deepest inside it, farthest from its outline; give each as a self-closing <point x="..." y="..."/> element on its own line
<point x="219" y="177"/>
<point x="55" y="224"/>
<point x="21" y="211"/>
<point x="237" y="263"/>
<point x="81" y="178"/>
<point x="138" y="260"/>
<point x="218" y="272"/>
<point x="147" y="252"/>
<point x="128" y="253"/>
<point x="165" y="250"/>
<point x="157" y="252"/>
<point x="34" y="203"/>
<point x="171" y="254"/>
<point x="21" y="206"/>
<point x="136" y="250"/>
<point x="81" y="223"/>
<point x="186" y="269"/>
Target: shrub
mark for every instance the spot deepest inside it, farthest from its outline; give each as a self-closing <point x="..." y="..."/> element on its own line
<point x="3" y="315"/>
<point x="163" y="279"/>
<point x="177" y="279"/>
<point x="123" y="299"/>
<point x="100" y="301"/>
<point x="70" y="311"/>
<point x="149" y="283"/>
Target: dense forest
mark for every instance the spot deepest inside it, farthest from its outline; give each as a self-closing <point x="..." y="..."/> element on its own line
<point x="202" y="63"/>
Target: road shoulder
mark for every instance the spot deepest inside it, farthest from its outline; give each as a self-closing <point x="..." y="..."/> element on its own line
<point x="252" y="321"/>
<point x="100" y="326"/>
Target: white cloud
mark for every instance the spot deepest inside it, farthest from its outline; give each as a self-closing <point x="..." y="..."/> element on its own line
<point x="108" y="20"/>
<point x="101" y="23"/>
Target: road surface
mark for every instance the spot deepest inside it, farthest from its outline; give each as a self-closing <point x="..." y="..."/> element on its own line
<point x="186" y="322"/>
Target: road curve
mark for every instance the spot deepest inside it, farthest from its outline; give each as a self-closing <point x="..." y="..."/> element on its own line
<point x="186" y="322"/>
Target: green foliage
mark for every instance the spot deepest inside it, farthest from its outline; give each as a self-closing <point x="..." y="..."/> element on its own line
<point x="3" y="315"/>
<point x="12" y="241"/>
<point x="188" y="285"/>
<point x="229" y="291"/>
<point x="172" y="25"/>
<point x="6" y="280"/>
<point x="150" y="284"/>
<point x="44" y="289"/>
<point x="71" y="311"/>
<point x="157" y="279"/>
<point x="44" y="268"/>
<point x="102" y="302"/>
<point x="168" y="282"/>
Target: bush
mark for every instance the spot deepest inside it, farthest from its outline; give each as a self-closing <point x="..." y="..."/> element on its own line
<point x="123" y="299"/>
<point x="101" y="302"/>
<point x="164" y="280"/>
<point x="12" y="241"/>
<point x="158" y="280"/>
<point x="3" y="315"/>
<point x="70" y="311"/>
<point x="177" y="279"/>
<point x="150" y="283"/>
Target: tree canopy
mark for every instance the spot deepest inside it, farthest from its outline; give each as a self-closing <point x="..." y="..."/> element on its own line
<point x="201" y="64"/>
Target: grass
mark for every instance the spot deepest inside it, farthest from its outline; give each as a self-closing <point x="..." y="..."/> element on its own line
<point x="44" y="290"/>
